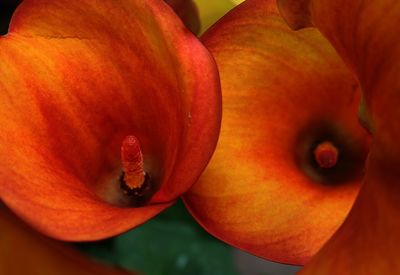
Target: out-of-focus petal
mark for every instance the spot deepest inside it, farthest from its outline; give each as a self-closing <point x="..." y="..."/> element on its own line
<point x="77" y="77"/>
<point x="363" y="32"/>
<point x="283" y="92"/>
<point x="24" y="251"/>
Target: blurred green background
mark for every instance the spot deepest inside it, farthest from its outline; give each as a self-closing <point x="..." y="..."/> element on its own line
<point x="171" y="243"/>
<point x="174" y="244"/>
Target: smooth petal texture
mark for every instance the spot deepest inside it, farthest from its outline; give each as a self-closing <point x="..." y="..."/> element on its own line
<point x="77" y="77"/>
<point x="283" y="91"/>
<point x="363" y="33"/>
<point x="368" y="241"/>
<point x="24" y="251"/>
<point x="188" y="12"/>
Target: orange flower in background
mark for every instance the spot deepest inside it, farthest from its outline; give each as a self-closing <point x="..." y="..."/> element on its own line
<point x="24" y="251"/>
<point x="363" y="33"/>
<point x="290" y="157"/>
<point x="80" y="77"/>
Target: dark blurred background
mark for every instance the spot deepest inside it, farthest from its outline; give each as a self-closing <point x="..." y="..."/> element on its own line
<point x="7" y="7"/>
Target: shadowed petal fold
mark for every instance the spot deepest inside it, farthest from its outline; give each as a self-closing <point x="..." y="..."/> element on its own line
<point x="284" y="93"/>
<point x="188" y="12"/>
<point x="77" y="78"/>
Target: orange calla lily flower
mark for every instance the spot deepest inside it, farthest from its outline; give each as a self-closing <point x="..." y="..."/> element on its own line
<point x="289" y="160"/>
<point x="24" y="251"/>
<point x="80" y="81"/>
<point x="363" y="33"/>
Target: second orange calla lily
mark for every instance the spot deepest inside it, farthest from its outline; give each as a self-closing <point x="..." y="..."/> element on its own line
<point x="363" y="33"/>
<point x="78" y="78"/>
<point x="290" y="157"/>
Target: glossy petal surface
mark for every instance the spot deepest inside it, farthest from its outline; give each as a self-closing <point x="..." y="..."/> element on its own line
<point x="77" y="77"/>
<point x="362" y="32"/>
<point x="283" y="91"/>
<point x="24" y="251"/>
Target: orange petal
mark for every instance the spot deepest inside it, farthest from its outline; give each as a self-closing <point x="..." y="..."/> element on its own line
<point x="188" y="12"/>
<point x="77" y="77"/>
<point x="24" y="251"/>
<point x="368" y="241"/>
<point x="362" y="32"/>
<point x="284" y="92"/>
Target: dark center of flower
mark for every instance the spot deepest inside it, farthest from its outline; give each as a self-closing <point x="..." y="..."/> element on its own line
<point x="126" y="182"/>
<point x="330" y="153"/>
<point x="326" y="154"/>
